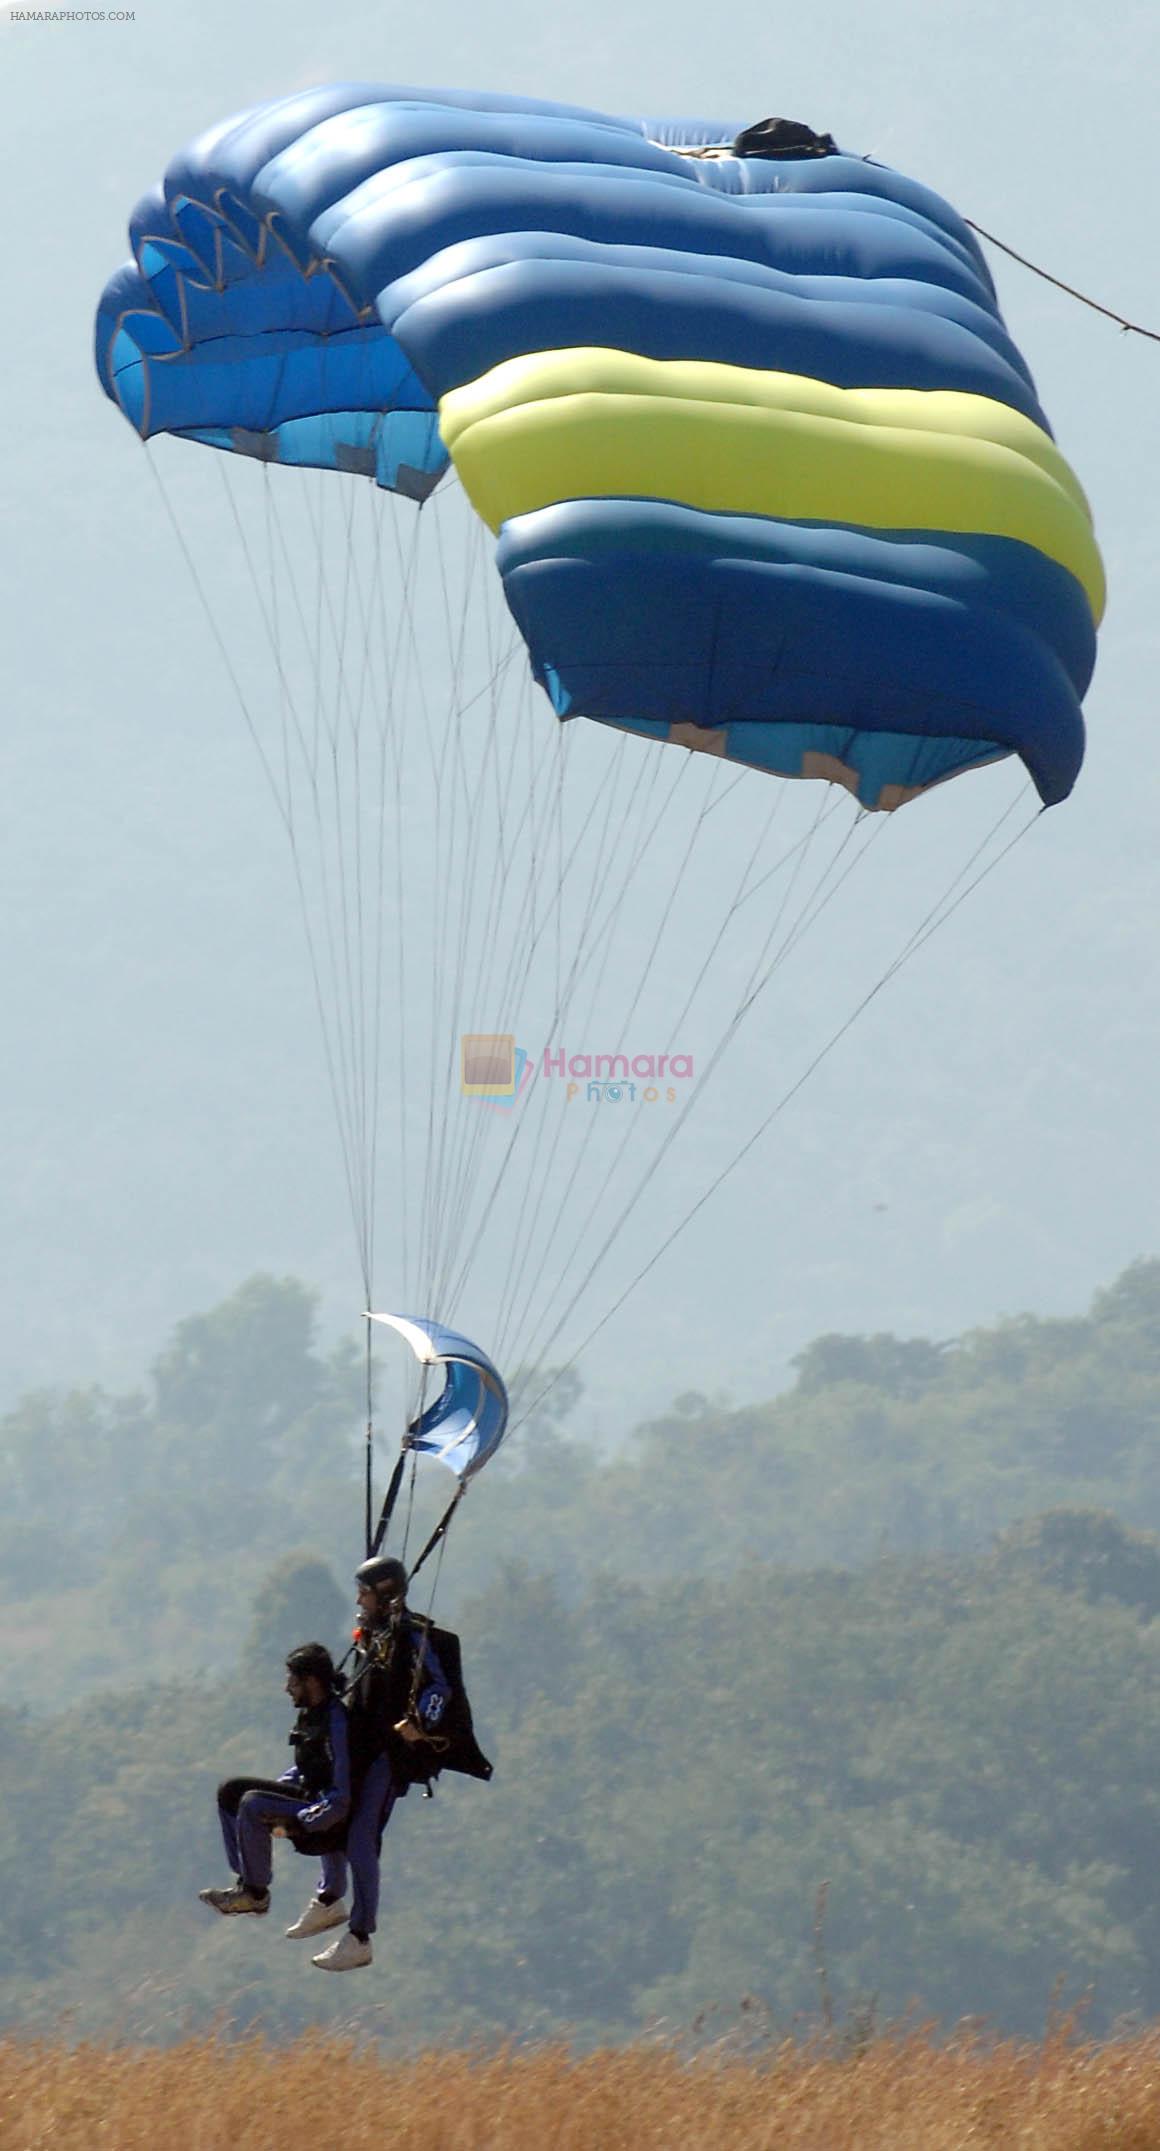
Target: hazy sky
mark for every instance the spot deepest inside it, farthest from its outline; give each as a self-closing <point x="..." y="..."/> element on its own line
<point x="985" y="1139"/>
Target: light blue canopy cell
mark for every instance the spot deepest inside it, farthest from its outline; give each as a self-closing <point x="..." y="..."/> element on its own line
<point x="468" y="1420"/>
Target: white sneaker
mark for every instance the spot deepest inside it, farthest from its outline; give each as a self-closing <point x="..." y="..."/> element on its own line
<point x="236" y="1899"/>
<point x="345" y="1955"/>
<point x="316" y="1919"/>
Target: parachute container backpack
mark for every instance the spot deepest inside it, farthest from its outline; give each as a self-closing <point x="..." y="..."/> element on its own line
<point x="760" y="474"/>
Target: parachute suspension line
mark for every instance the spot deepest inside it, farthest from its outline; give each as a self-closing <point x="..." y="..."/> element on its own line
<point x="616" y="908"/>
<point x="375" y="645"/>
<point x="283" y="800"/>
<point x="488" y="992"/>
<point x="465" y="789"/>
<point x="409" y="1518"/>
<point x="386" y="668"/>
<point x="535" y="1166"/>
<point x="454" y="789"/>
<point x="405" y="1457"/>
<point x="742" y="777"/>
<point x="585" y="945"/>
<point x="937" y="916"/>
<point x="421" y="1062"/>
<point x="608" y="788"/>
<point x="369" y="1455"/>
<point x="533" y="1269"/>
<point x="345" y="1023"/>
<point x="558" y="824"/>
<point x="793" y="932"/>
<point x="392" y="730"/>
<point x="508" y="919"/>
<point x="375" y="1538"/>
<point x="470" y="786"/>
<point x="483" y="911"/>
<point x="219" y="639"/>
<point x="833" y="803"/>
<point x="743" y="892"/>
<point x="291" y="726"/>
<point x="438" y="1539"/>
<point x="369" y="874"/>
<point x="437" y="1577"/>
<point x="431" y="982"/>
<point x="536" y="1269"/>
<point x="349" y="829"/>
<point x="1130" y="328"/>
<point x="420" y="525"/>
<point x="513" y="920"/>
<point x="813" y="903"/>
<point x="449" y="785"/>
<point x="334" y="877"/>
<point x="401" y="665"/>
<point x="331" y="815"/>
<point x="597" y="940"/>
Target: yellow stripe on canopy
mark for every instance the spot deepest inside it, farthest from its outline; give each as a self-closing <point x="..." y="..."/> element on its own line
<point x="587" y="424"/>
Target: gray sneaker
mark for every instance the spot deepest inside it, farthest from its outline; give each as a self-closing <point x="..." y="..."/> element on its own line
<point x="317" y="1918"/>
<point x="236" y="1899"/>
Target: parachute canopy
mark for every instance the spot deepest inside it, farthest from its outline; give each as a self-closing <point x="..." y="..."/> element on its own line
<point x="769" y="477"/>
<point x="466" y="1423"/>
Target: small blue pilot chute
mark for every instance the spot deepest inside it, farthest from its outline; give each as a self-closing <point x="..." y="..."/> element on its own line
<point x="462" y="1428"/>
<point x="467" y="1421"/>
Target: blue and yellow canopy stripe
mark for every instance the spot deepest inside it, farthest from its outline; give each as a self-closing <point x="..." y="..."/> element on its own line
<point x="597" y="424"/>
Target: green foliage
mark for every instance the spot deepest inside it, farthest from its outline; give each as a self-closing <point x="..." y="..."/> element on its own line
<point x="136" y="1530"/>
<point x="895" y="1630"/>
<point x="1086" y="1551"/>
<point x="299" y="1602"/>
<point x="901" y="1366"/>
<point x="882" y="1443"/>
<point x="965" y="1757"/>
<point x="160" y="1513"/>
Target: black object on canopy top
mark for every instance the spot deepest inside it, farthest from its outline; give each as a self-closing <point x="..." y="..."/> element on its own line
<point x="783" y="138"/>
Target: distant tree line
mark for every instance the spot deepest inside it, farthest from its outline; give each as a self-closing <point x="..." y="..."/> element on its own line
<point x="963" y="1750"/>
<point x="894" y="1632"/>
<point x="146" y="1522"/>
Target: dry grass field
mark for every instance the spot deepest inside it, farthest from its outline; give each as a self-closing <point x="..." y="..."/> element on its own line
<point x="900" y="2094"/>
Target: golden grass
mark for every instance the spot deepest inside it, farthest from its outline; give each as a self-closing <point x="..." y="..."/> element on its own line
<point x="900" y="2094"/>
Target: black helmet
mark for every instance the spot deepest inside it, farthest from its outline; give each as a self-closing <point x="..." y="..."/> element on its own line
<point x="384" y="1574"/>
<point x="312" y="1660"/>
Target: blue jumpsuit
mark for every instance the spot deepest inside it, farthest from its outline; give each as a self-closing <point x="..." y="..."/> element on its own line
<point x="379" y="1790"/>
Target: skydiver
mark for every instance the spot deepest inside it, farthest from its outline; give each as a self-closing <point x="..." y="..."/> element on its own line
<point x="397" y="1694"/>
<point x="307" y="1802"/>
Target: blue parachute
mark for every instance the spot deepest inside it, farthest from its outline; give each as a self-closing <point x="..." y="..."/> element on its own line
<point x="769" y="478"/>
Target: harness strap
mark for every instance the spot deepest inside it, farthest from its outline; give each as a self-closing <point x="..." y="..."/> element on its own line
<point x="440" y="1531"/>
<point x="388" y="1508"/>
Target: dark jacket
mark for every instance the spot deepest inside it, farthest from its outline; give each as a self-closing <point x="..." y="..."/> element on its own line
<point x="396" y="1674"/>
<point x="321" y="1767"/>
